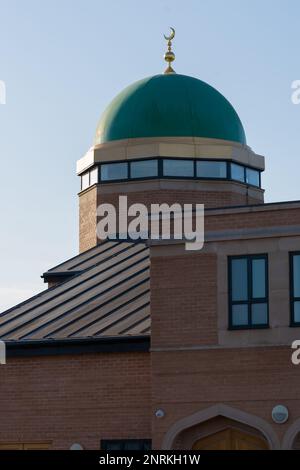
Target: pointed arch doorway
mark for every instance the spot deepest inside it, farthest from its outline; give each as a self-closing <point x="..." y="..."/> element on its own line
<point x="231" y="439"/>
<point x="208" y="422"/>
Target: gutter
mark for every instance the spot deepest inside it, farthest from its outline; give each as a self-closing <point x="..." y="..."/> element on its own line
<point x="57" y="347"/>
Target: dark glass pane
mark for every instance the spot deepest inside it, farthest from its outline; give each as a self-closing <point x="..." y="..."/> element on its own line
<point x="144" y="169"/>
<point x="239" y="315"/>
<point x="237" y="172"/>
<point x="252" y="177"/>
<point x="259" y="314"/>
<point x="179" y="168"/>
<point x="114" y="171"/>
<point x="209" y="169"/>
<point x="147" y="445"/>
<point x="94" y="176"/>
<point x="85" y="180"/>
<point x="114" y="445"/>
<point x="123" y="444"/>
<point x="297" y="312"/>
<point x="239" y="279"/>
<point x="296" y="274"/>
<point x="133" y="445"/>
<point x="258" y="278"/>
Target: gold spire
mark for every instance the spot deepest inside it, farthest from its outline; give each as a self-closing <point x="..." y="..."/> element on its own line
<point x="169" y="55"/>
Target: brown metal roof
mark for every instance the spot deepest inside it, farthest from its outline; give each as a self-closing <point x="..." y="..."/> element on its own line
<point x="107" y="294"/>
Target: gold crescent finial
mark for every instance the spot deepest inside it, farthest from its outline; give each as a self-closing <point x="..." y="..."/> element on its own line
<point x="169" y="55"/>
<point x="172" y="35"/>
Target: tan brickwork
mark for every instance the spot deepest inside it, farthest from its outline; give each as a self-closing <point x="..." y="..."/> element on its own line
<point x="233" y="195"/>
<point x="75" y="398"/>
<point x="250" y="379"/>
<point x="184" y="300"/>
<point x="87" y="219"/>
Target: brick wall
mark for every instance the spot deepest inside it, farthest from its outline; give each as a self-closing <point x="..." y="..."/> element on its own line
<point x="252" y="219"/>
<point x="250" y="379"/>
<point x="190" y="370"/>
<point x="183" y="300"/>
<point x="209" y="198"/>
<point x="109" y="396"/>
<point x="90" y="199"/>
<point x="83" y="398"/>
<point x="87" y="219"/>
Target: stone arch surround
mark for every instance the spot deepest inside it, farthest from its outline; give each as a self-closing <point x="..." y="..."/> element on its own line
<point x="225" y="411"/>
<point x="188" y="437"/>
<point x="291" y="436"/>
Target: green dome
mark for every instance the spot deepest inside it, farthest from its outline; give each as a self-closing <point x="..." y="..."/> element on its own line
<point x="170" y="105"/>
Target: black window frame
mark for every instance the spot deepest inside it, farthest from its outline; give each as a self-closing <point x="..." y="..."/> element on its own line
<point x="250" y="301"/>
<point x="293" y="299"/>
<point x="145" y="444"/>
<point x="160" y="174"/>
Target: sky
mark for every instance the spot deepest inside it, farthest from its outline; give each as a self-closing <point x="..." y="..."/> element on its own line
<point x="63" y="61"/>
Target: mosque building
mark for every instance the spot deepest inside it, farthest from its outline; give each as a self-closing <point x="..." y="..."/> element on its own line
<point x="139" y="345"/>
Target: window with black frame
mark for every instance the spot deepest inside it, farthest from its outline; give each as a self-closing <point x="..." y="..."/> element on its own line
<point x="178" y="168"/>
<point x="237" y="172"/>
<point x="248" y="292"/>
<point x="295" y="288"/>
<point x="211" y="169"/>
<point x="144" y="169"/>
<point x="114" y="171"/>
<point x="126" y="444"/>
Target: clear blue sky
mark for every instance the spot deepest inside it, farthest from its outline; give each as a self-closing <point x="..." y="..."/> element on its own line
<point x="63" y="61"/>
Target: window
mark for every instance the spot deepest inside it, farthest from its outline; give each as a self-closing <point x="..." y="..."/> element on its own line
<point x="295" y="288"/>
<point x="94" y="176"/>
<point x="179" y="168"/>
<point x="156" y="167"/>
<point x="126" y="444"/>
<point x="252" y="177"/>
<point x="89" y="178"/>
<point x="207" y="169"/>
<point x="237" y="172"/>
<point x="85" y="180"/>
<point x="144" y="169"/>
<point x="248" y="292"/>
<point x="114" y="171"/>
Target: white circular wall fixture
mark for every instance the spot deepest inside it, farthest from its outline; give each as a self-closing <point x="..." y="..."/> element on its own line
<point x="76" y="446"/>
<point x="159" y="413"/>
<point x="280" y="414"/>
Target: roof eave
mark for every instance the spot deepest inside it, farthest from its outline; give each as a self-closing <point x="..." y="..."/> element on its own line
<point x="55" y="347"/>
